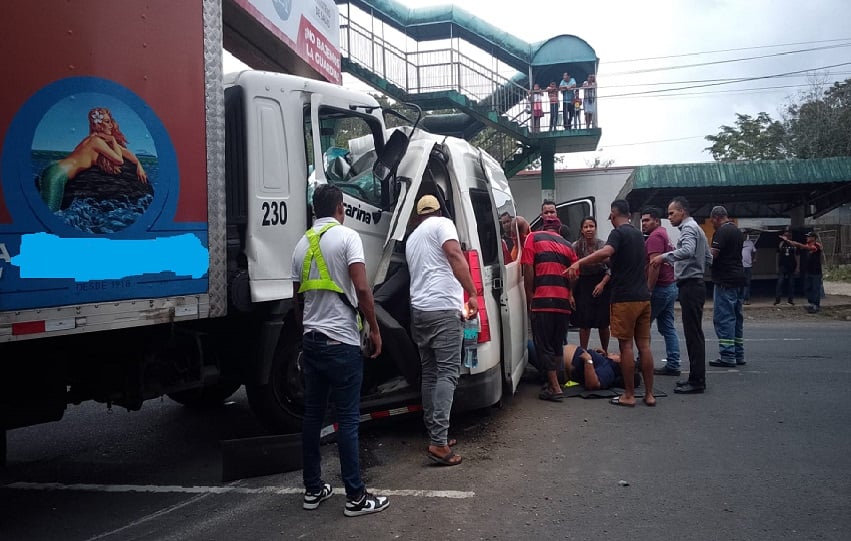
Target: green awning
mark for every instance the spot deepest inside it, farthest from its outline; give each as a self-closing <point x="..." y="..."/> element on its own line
<point x="747" y="189"/>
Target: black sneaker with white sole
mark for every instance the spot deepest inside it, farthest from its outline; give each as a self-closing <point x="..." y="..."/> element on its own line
<point x="366" y="504"/>
<point x="313" y="499"/>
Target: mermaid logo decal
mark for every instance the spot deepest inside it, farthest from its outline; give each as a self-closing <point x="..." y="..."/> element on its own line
<point x="94" y="183"/>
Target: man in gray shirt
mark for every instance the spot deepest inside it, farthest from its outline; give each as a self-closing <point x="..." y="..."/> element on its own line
<point x="690" y="260"/>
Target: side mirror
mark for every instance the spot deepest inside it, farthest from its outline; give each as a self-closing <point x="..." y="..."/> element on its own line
<point x="386" y="164"/>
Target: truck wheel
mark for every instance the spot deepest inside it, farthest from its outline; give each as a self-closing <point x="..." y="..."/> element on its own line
<point x="206" y="397"/>
<point x="279" y="404"/>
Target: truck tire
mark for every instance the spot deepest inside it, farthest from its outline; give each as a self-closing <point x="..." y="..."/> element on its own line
<point x="206" y="397"/>
<point x="279" y="403"/>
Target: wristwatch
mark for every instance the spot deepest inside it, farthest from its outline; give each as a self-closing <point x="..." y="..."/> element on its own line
<point x="589" y="361"/>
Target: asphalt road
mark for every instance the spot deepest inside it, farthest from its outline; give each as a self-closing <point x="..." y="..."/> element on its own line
<point x="764" y="454"/>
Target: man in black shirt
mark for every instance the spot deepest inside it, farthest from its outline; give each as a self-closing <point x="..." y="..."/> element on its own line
<point x="813" y="249"/>
<point x="728" y="277"/>
<point x="787" y="262"/>
<point x="630" y="309"/>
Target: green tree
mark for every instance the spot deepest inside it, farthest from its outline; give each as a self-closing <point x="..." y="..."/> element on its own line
<point x="820" y="127"/>
<point x="816" y="124"/>
<point x="752" y="138"/>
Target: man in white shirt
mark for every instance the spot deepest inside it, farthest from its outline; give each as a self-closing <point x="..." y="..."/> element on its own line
<point x="330" y="263"/>
<point x="748" y="259"/>
<point x="439" y="277"/>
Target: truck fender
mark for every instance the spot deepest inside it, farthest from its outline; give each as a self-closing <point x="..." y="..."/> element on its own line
<point x="271" y="333"/>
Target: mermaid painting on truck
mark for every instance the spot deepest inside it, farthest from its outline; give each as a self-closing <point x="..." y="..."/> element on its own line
<point x="104" y="147"/>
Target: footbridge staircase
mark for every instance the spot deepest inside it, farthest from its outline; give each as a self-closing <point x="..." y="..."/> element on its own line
<point x="448" y="60"/>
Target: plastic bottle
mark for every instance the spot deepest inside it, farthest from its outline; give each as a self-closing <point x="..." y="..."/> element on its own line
<point x="471" y="342"/>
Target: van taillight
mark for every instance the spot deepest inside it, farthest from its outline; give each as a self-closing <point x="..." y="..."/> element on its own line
<point x="476" y="270"/>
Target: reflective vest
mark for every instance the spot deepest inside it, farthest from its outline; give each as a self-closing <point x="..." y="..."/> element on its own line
<point x="315" y="254"/>
<point x="324" y="282"/>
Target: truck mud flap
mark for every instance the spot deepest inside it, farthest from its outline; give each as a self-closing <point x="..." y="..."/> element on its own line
<point x="398" y="346"/>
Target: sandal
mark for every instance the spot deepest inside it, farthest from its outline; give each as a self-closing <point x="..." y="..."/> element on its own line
<point x="546" y="394"/>
<point x="616" y="401"/>
<point x="450" y="459"/>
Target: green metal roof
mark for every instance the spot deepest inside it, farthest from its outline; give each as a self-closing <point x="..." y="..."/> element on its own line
<point x="756" y="173"/>
<point x="748" y="189"/>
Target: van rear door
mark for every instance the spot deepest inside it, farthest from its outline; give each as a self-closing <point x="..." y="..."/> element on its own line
<point x="513" y="318"/>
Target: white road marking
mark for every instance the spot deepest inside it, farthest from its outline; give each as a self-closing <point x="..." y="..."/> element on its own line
<point x="85" y="487"/>
<point x="147" y="518"/>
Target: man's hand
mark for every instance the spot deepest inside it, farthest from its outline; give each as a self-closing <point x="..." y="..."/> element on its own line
<point x="472" y="307"/>
<point x="375" y="340"/>
<point x="657" y="260"/>
<point x="598" y="289"/>
<point x="572" y="271"/>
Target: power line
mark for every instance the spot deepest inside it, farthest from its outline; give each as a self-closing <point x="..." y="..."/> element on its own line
<point x="626" y="85"/>
<point x="732" y="81"/>
<point x="716" y="62"/>
<point x="696" y="53"/>
<point x="605" y="146"/>
<point x="709" y="92"/>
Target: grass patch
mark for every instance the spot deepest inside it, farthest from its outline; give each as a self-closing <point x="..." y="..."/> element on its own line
<point x="839" y="273"/>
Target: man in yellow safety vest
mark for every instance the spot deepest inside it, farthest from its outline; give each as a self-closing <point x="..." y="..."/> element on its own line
<point x="330" y="261"/>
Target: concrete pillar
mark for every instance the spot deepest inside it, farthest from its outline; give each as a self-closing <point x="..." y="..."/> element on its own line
<point x="548" y="176"/>
<point x="798" y="214"/>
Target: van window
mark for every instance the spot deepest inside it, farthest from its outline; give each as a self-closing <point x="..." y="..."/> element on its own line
<point x="572" y="214"/>
<point x="486" y="228"/>
<point x="348" y="142"/>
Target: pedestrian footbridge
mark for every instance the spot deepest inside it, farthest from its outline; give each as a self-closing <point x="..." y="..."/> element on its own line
<point x="473" y="74"/>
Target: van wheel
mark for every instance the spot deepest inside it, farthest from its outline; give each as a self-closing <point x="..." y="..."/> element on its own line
<point x="279" y="403"/>
<point x="206" y="397"/>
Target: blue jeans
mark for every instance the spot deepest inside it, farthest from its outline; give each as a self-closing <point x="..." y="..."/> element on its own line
<point x="729" y="323"/>
<point x="812" y="288"/>
<point x="662" y="311"/>
<point x="438" y="336"/>
<point x="334" y="368"/>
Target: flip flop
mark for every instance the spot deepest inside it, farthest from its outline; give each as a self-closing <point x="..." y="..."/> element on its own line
<point x="445" y="460"/>
<point x="551" y="396"/>
<point x="650" y="404"/>
<point x="616" y="401"/>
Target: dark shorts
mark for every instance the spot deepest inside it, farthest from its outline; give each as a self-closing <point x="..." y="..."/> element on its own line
<point x="548" y="332"/>
<point x="630" y="320"/>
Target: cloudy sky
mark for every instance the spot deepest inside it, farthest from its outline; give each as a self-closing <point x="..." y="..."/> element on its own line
<point x="643" y="44"/>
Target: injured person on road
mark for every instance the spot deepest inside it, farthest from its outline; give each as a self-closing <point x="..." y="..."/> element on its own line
<point x="594" y="369"/>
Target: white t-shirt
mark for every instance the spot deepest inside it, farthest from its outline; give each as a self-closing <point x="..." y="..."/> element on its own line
<point x="433" y="286"/>
<point x="325" y="311"/>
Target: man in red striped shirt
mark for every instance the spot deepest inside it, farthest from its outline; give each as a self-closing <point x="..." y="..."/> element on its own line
<point x="546" y="257"/>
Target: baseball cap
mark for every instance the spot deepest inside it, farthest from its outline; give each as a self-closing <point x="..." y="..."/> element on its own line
<point x="811" y="234"/>
<point x="426" y="204"/>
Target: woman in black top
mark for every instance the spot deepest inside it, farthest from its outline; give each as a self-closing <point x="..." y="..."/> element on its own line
<point x="590" y="291"/>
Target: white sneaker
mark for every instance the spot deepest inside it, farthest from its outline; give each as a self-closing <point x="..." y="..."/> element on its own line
<point x="313" y="499"/>
<point x="366" y="505"/>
